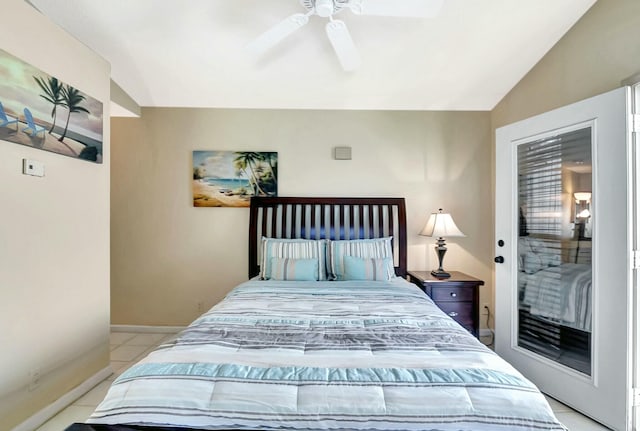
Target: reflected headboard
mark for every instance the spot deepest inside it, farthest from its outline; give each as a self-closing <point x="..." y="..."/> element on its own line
<point x="328" y="218"/>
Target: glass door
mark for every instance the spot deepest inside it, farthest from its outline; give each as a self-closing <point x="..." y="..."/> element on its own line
<point x="555" y="229"/>
<point x="563" y="235"/>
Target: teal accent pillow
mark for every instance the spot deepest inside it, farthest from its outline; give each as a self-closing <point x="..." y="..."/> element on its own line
<point x="292" y="249"/>
<point x="377" y="248"/>
<point x="362" y="268"/>
<point x="294" y="269"/>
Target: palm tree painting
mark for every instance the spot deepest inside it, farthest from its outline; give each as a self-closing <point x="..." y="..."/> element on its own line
<point x="230" y="178"/>
<point x="52" y="89"/>
<point x="48" y="114"/>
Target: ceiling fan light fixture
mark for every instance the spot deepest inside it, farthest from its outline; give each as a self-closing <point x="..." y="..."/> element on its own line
<point x="324" y="8"/>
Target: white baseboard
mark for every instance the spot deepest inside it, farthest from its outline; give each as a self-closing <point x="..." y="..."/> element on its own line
<point x="147" y="329"/>
<point x="38" y="419"/>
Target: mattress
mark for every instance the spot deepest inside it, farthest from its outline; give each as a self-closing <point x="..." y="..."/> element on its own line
<point x="357" y="355"/>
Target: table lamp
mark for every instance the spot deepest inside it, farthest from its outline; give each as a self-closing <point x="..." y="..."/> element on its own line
<point x="441" y="225"/>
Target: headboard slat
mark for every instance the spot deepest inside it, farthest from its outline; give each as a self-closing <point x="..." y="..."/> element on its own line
<point x="294" y="221"/>
<point x="283" y="220"/>
<point x="372" y="221"/>
<point x="357" y="218"/>
<point x="274" y="220"/>
<point x="303" y="221"/>
<point x="349" y="234"/>
<point x="359" y="223"/>
<point x="265" y="214"/>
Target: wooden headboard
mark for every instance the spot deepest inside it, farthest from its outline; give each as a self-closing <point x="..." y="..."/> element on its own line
<point x="328" y="218"/>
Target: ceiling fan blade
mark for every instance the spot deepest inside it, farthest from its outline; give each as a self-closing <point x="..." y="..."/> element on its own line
<point x="343" y="45"/>
<point x="277" y="33"/>
<point x="399" y="8"/>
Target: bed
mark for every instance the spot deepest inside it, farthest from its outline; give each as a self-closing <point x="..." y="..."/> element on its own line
<point x="326" y="334"/>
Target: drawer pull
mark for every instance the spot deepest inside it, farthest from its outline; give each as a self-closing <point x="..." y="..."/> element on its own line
<point x="453" y="314"/>
<point x="454" y="294"/>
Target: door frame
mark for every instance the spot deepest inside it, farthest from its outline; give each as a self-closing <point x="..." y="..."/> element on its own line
<point x="635" y="258"/>
<point x="606" y="348"/>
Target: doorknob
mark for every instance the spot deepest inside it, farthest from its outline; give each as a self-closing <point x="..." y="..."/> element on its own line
<point x="499" y="259"/>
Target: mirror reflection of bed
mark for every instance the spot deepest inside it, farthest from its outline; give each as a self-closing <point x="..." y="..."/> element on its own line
<point x="554" y="281"/>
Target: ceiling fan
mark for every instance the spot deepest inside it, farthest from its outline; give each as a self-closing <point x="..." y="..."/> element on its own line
<point x="337" y="31"/>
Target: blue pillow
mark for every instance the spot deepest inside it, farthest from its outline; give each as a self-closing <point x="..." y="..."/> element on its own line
<point x="360" y="268"/>
<point x="378" y="248"/>
<point x="292" y="249"/>
<point x="294" y="269"/>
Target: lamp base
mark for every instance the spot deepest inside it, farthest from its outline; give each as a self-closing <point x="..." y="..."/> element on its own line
<point x="440" y="274"/>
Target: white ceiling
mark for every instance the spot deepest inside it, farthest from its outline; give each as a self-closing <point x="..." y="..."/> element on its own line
<point x="190" y="53"/>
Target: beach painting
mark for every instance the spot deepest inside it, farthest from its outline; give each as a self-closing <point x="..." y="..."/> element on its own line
<point x="230" y="178"/>
<point x="40" y="111"/>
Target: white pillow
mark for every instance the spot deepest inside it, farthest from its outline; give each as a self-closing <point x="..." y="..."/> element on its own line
<point x="534" y="255"/>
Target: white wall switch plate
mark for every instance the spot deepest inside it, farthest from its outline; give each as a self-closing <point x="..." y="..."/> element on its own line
<point x="32" y="167"/>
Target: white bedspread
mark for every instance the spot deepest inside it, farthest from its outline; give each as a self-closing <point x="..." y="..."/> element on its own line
<point x="326" y="355"/>
<point x="560" y="293"/>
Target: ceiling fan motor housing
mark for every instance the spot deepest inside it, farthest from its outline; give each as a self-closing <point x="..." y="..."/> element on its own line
<point x="324" y="8"/>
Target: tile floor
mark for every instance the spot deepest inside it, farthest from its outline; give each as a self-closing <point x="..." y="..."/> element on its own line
<point x="128" y="347"/>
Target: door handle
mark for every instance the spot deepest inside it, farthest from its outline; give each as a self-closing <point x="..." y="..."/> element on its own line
<point x="499" y="259"/>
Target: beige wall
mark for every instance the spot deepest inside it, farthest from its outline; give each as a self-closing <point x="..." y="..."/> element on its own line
<point x="54" y="238"/>
<point x="599" y="52"/>
<point x="168" y="256"/>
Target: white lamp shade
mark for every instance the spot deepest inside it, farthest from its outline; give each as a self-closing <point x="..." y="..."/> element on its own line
<point x="582" y="196"/>
<point x="584" y="214"/>
<point x="441" y="225"/>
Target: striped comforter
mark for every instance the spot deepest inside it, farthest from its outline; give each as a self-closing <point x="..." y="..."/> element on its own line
<point x="326" y="355"/>
<point x="560" y="293"/>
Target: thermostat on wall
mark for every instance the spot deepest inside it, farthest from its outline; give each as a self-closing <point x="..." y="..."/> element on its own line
<point x="342" y="153"/>
<point x="32" y="167"/>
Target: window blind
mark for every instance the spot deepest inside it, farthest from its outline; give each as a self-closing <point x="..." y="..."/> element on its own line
<point x="540" y="176"/>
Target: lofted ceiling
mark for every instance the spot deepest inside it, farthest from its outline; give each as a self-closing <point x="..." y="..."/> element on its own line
<point x="191" y="53"/>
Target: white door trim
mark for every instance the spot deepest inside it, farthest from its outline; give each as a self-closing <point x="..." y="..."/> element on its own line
<point x="606" y="395"/>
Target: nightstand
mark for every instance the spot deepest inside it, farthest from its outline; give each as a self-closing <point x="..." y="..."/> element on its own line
<point x="458" y="296"/>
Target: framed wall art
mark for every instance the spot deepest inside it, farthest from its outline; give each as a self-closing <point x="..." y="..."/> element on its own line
<point x="230" y="178"/>
<point x="40" y="111"/>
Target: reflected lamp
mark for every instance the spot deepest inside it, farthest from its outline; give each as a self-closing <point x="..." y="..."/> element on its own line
<point x="441" y="225"/>
<point x="583" y="213"/>
<point x="583" y="205"/>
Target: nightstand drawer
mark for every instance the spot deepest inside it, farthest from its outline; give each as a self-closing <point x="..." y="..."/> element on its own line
<point x="458" y="296"/>
<point x="451" y="294"/>
<point x="461" y="312"/>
